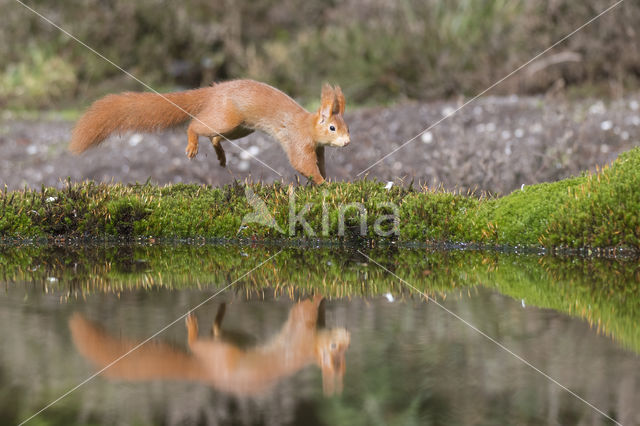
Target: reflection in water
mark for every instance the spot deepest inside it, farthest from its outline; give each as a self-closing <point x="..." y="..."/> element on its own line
<point x="221" y="361"/>
<point x="602" y="291"/>
<point x="409" y="361"/>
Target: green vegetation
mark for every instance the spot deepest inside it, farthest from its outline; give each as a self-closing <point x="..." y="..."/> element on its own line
<point x="594" y="210"/>
<point x="379" y="51"/>
<point x="40" y="77"/>
<point x="601" y="291"/>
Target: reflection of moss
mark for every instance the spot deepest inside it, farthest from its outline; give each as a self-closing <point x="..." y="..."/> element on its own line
<point x="604" y="292"/>
<point x="592" y="210"/>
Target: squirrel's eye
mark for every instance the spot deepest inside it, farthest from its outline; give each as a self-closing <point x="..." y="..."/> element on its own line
<point x="332" y="128"/>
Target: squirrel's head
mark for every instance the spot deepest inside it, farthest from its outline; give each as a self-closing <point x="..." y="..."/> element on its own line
<point x="331" y="346"/>
<point x="329" y="126"/>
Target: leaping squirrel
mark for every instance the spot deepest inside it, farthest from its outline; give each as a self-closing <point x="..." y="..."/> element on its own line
<point x="228" y="110"/>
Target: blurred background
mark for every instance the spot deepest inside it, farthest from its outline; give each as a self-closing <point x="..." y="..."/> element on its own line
<point x="403" y="65"/>
<point x="380" y="51"/>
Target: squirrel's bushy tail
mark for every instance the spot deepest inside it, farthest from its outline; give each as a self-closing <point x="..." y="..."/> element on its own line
<point x="143" y="112"/>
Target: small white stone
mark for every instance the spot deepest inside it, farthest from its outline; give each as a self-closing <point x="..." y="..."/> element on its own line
<point x="389" y="297"/>
<point x="491" y="127"/>
<point x="250" y="152"/>
<point x="447" y="111"/>
<point x="427" y="137"/>
<point x="606" y="125"/>
<point x="32" y="149"/>
<point x="243" y="166"/>
<point x="518" y="133"/>
<point x="624" y="135"/>
<point x="597" y="108"/>
<point x="51" y="199"/>
<point x="135" y="139"/>
<point x="506" y="134"/>
<point x="604" y="148"/>
<point x="388" y="185"/>
<point x="634" y="105"/>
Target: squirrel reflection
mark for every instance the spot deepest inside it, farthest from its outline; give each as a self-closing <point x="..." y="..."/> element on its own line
<point x="217" y="361"/>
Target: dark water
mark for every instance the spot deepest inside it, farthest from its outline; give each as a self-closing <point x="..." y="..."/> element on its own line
<point x="373" y="351"/>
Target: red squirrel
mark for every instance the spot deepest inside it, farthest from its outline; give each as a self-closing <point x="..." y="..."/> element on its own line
<point x="224" y="111"/>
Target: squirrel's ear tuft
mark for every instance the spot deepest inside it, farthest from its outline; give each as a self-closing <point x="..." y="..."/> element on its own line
<point x="326" y="101"/>
<point x="340" y="102"/>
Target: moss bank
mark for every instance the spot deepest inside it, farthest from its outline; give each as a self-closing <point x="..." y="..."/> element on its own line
<point x="593" y="210"/>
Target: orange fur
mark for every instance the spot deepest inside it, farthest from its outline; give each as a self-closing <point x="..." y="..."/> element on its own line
<point x="145" y="112"/>
<point x="220" y="363"/>
<point x="228" y="110"/>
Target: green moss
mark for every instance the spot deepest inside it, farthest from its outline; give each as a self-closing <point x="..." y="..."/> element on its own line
<point x="523" y="216"/>
<point x="601" y="211"/>
<point x="124" y="215"/>
<point x="438" y="217"/>
<point x="597" y="210"/>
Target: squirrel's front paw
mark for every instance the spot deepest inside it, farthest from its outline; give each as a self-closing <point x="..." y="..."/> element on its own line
<point x="191" y="151"/>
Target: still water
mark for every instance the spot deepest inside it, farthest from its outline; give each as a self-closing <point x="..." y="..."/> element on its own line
<point x="251" y="335"/>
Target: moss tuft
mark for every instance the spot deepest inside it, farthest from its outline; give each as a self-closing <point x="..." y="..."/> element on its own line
<point x="602" y="210"/>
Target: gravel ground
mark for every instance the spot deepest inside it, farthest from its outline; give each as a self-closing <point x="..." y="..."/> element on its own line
<point x="494" y="144"/>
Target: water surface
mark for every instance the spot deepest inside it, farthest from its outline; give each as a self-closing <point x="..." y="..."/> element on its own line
<point x="390" y="355"/>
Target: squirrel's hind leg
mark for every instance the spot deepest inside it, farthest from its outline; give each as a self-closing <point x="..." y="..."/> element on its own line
<point x="215" y="141"/>
<point x="217" y="323"/>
